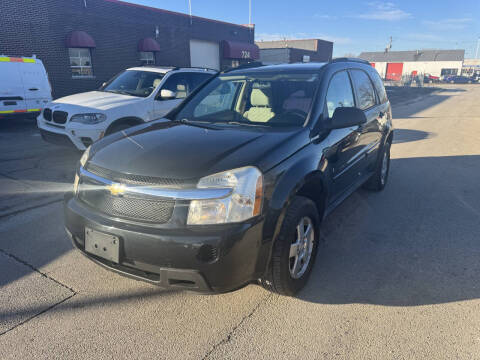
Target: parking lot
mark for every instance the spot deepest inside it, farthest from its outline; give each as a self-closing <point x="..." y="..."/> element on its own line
<point x="397" y="276"/>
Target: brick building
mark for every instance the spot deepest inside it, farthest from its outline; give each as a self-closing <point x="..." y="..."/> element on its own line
<point x="294" y="51"/>
<point x="83" y="43"/>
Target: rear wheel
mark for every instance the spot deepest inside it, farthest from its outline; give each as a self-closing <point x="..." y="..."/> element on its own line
<point x="379" y="178"/>
<point x="295" y="249"/>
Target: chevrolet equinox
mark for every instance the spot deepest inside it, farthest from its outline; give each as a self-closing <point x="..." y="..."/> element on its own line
<point x="231" y="186"/>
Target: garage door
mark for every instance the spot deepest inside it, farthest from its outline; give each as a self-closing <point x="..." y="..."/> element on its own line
<point x="204" y="54"/>
<point x="394" y="71"/>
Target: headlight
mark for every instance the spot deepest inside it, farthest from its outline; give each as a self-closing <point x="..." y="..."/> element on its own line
<point x="243" y="203"/>
<point x="75" y="184"/>
<point x="84" y="158"/>
<point x="93" y="118"/>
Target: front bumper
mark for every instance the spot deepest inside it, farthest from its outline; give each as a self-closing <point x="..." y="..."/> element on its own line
<point x="202" y="258"/>
<point x="79" y="135"/>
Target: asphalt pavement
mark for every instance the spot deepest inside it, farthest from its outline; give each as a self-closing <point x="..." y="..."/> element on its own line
<point x="396" y="278"/>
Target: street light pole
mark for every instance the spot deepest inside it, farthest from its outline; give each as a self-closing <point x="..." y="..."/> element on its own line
<point x="476" y="52"/>
<point x="249" y="12"/>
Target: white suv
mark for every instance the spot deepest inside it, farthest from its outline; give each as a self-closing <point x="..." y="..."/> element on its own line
<point x="134" y="96"/>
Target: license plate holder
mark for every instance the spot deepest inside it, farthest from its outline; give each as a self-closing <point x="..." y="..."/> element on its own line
<point x="104" y="245"/>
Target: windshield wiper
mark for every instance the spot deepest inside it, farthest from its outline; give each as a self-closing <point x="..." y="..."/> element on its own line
<point x="249" y="123"/>
<point x="200" y="124"/>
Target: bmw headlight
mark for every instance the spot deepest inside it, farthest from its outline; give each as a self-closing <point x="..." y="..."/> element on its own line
<point x="243" y="203"/>
<point x="91" y="118"/>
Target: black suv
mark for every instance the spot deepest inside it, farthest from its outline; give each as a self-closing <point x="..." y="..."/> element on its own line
<point x="231" y="187"/>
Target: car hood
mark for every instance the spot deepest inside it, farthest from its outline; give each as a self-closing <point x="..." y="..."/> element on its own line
<point x="173" y="150"/>
<point x="97" y="100"/>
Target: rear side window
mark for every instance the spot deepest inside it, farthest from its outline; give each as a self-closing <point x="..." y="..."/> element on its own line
<point x="339" y="93"/>
<point x="378" y="83"/>
<point x="364" y="89"/>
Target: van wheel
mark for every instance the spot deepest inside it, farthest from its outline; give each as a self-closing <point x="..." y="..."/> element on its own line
<point x="295" y="249"/>
<point x="379" y="178"/>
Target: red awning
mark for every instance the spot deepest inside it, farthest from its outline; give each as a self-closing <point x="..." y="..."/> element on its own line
<point x="79" y="39"/>
<point x="148" y="44"/>
<point x="240" y="50"/>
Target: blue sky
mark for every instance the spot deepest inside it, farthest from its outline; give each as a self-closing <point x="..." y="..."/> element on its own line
<point x="353" y="26"/>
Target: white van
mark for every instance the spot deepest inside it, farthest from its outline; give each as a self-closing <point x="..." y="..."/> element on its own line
<point x="133" y="97"/>
<point x="24" y="86"/>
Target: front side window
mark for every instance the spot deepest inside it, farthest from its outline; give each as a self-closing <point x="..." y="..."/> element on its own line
<point x="134" y="83"/>
<point x="179" y="84"/>
<point x="80" y="62"/>
<point x="364" y="89"/>
<point x="147" y="57"/>
<point x="339" y="93"/>
<point x="271" y="99"/>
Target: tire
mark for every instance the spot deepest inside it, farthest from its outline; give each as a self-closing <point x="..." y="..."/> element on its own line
<point x="281" y="276"/>
<point x="379" y="178"/>
<point x="118" y="127"/>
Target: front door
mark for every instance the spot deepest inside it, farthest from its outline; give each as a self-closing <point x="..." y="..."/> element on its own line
<point x="180" y="85"/>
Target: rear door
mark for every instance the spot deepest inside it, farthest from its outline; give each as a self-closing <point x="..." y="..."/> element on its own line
<point x="345" y="154"/>
<point x="36" y="85"/>
<point x="370" y="132"/>
<point x="12" y="96"/>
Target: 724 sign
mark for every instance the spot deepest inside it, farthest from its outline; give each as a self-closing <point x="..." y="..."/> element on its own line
<point x="246" y="54"/>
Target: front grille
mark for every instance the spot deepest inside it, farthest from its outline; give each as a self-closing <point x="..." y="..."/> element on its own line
<point x="60" y="117"/>
<point x="134" y="208"/>
<point x="139" y="179"/>
<point x="47" y="114"/>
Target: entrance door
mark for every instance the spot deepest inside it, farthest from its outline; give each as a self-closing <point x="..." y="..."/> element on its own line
<point x="205" y="54"/>
<point x="394" y="71"/>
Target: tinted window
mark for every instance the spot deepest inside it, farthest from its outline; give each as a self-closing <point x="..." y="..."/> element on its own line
<point x="197" y="79"/>
<point x="378" y="83"/>
<point x="339" y="93"/>
<point x="364" y="89"/>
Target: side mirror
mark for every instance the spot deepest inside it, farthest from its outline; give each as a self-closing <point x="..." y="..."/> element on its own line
<point x="167" y="94"/>
<point x="344" y="117"/>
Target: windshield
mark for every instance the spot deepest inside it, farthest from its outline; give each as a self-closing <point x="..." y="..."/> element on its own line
<point x="134" y="83"/>
<point x="269" y="99"/>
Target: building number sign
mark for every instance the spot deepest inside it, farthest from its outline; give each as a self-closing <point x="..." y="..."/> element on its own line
<point x="245" y="54"/>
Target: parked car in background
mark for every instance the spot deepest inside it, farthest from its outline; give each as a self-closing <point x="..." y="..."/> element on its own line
<point x="428" y="78"/>
<point x="212" y="198"/>
<point x="457" y="79"/>
<point x="24" y="87"/>
<point x="134" y="96"/>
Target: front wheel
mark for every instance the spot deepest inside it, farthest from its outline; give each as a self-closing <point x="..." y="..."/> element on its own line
<point x="295" y="249"/>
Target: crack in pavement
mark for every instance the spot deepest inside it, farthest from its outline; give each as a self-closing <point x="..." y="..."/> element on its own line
<point x="229" y="336"/>
<point x="73" y="292"/>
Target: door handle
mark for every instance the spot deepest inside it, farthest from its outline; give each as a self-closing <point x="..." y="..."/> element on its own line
<point x="33" y="89"/>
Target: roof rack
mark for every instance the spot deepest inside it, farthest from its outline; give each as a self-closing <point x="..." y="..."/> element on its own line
<point x="345" y="59"/>
<point x="249" y="65"/>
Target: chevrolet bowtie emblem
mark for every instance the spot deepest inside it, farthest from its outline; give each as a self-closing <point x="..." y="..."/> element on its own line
<point x="116" y="189"/>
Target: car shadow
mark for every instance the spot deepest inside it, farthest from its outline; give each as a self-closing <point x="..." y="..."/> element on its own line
<point x="408" y="135"/>
<point x="415" y="243"/>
